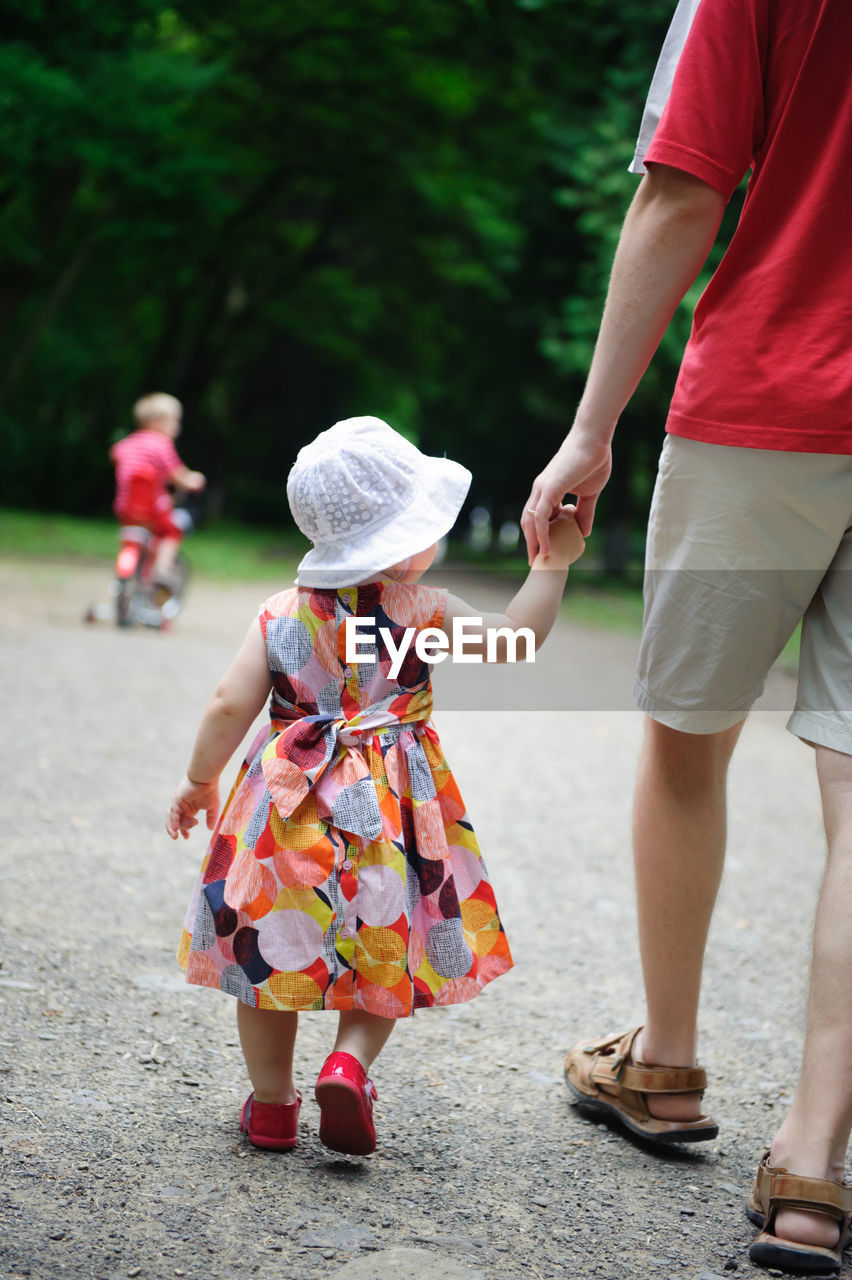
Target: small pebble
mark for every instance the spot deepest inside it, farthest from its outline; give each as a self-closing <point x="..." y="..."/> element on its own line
<point x="135" y="1271"/>
<point x="540" y="1200"/>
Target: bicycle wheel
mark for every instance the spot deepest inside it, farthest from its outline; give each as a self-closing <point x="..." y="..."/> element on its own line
<point x="170" y="607"/>
<point x="124" y="596"/>
<point x="128" y="573"/>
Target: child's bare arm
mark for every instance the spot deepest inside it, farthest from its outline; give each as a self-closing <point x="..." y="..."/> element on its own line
<point x="239" y="696"/>
<point x="537" y="603"/>
<point x="192" y="481"/>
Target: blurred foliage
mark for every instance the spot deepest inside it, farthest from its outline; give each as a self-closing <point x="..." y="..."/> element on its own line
<point x="290" y="211"/>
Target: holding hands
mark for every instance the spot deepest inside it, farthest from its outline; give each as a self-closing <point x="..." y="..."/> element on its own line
<point x="565" y="541"/>
<point x="581" y="466"/>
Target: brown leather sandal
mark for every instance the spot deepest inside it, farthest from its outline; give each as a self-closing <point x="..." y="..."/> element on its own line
<point x="774" y="1188"/>
<point x="610" y="1062"/>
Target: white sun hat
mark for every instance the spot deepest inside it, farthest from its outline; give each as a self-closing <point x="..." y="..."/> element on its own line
<point x="368" y="498"/>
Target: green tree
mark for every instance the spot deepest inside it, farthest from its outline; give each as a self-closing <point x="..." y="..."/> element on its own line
<point x="289" y="212"/>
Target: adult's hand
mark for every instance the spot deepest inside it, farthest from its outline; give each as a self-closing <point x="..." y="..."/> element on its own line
<point x="582" y="467"/>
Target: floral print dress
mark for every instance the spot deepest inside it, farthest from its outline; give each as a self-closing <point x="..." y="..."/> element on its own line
<point x="344" y="872"/>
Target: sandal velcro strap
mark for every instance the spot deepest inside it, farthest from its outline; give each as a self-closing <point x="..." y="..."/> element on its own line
<point x="663" y="1079"/>
<point x="614" y="1064"/>
<point x="819" y="1195"/>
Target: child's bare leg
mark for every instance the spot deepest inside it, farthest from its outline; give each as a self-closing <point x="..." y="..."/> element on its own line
<point x="164" y="561"/>
<point x="267" y="1037"/>
<point x="344" y="1094"/>
<point x="364" y="1035"/>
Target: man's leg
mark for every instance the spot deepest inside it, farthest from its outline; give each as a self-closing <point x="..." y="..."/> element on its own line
<point x="815" y="1134"/>
<point x="679" y="828"/>
<point x="722" y="597"/>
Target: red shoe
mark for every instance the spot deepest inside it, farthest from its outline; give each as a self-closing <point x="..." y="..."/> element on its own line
<point x="345" y="1098"/>
<point x="273" y="1125"/>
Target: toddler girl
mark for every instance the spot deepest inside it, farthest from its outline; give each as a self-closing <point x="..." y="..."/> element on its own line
<point x="343" y="872"/>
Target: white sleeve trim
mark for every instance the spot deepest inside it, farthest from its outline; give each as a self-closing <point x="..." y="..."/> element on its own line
<point x="661" y="84"/>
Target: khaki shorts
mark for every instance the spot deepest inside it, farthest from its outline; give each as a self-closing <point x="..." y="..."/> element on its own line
<point x="742" y="543"/>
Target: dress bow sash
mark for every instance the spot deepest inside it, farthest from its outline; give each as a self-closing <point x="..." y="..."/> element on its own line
<point x="308" y="749"/>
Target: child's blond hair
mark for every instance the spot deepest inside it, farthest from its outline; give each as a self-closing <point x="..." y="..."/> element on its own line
<point x="156" y="405"/>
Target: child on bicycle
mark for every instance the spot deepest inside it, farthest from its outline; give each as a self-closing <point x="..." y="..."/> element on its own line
<point x="343" y="872"/>
<point x="146" y="465"/>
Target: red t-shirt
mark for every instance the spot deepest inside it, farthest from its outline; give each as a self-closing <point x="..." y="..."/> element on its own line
<point x="767" y="85"/>
<point x="145" y="462"/>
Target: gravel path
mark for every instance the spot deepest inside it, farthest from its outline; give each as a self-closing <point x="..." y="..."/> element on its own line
<point x="119" y="1147"/>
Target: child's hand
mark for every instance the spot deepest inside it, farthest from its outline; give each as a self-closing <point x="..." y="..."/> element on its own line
<point x="189" y="798"/>
<point x="567" y="543"/>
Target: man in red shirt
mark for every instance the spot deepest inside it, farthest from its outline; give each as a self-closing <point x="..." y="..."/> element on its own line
<point x="146" y="466"/>
<point x="750" y="530"/>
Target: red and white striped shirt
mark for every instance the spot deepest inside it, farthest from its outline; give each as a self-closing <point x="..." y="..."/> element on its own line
<point x="145" y="462"/>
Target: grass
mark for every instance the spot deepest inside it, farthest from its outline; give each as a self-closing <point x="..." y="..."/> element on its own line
<point x="230" y="552"/>
<point x="592" y="597"/>
<point x="225" y="551"/>
<point x="26" y="533"/>
<point x="595" y="601"/>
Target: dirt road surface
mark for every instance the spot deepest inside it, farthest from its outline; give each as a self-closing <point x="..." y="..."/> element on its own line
<point x="121" y="1086"/>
